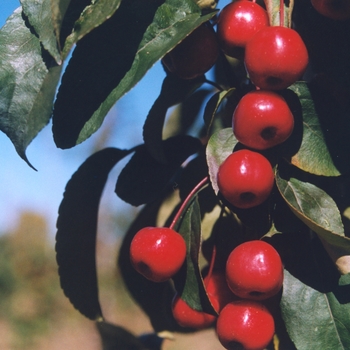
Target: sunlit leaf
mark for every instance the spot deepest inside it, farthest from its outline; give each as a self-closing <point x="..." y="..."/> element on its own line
<point x="189" y="282"/>
<point x="64" y="15"/>
<point x="40" y="18"/>
<point x="313" y="155"/>
<point x="104" y="66"/>
<point x="320" y="213"/>
<point x="77" y="229"/>
<point x="92" y="16"/>
<point x="220" y="146"/>
<point x="315" y="320"/>
<point x="28" y="81"/>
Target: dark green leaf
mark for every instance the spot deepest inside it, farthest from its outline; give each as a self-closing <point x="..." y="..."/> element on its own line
<point x="104" y="66"/>
<point x="320" y="213"/>
<point x="344" y="280"/>
<point x="115" y="337"/>
<point x="189" y="282"/>
<point x="27" y="83"/>
<point x="76" y="231"/>
<point x="39" y="16"/>
<point x="58" y="10"/>
<point x="313" y="155"/>
<point x="313" y="206"/>
<point x="315" y="320"/>
<point x="64" y="15"/>
<point x="213" y="105"/>
<point x="144" y="179"/>
<point x="220" y="146"/>
<point x="92" y="16"/>
<point x="174" y="91"/>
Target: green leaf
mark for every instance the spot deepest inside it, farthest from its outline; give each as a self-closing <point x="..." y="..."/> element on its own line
<point x="104" y="66"/>
<point x="315" y="320"/>
<point x="169" y="27"/>
<point x="92" y="16"/>
<point x="27" y="85"/>
<point x="136" y="189"/>
<point x="313" y="155"/>
<point x="312" y="205"/>
<point x="188" y="282"/>
<point x="320" y="213"/>
<point x="213" y="105"/>
<point x="220" y="146"/>
<point x="174" y="91"/>
<point x="64" y="15"/>
<point x="39" y="16"/>
<point x="77" y="228"/>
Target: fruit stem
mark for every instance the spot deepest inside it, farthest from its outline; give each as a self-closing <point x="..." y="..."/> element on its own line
<point x="282" y="13"/>
<point x="212" y="262"/>
<point x="187" y="200"/>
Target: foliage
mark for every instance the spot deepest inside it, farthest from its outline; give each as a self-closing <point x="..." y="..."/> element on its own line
<point x="114" y="44"/>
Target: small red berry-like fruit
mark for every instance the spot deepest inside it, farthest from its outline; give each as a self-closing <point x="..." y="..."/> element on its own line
<point x="237" y="23"/>
<point x="254" y="270"/>
<point x="245" y="178"/>
<point x="245" y="324"/>
<point x="338" y="10"/>
<point x="262" y="119"/>
<point x="185" y="316"/>
<point x="195" y="55"/>
<point x="157" y="253"/>
<point x="217" y="289"/>
<point x="275" y="58"/>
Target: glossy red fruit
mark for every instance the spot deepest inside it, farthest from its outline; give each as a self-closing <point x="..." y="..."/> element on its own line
<point x="338" y="10"/>
<point x="245" y="178"/>
<point x="237" y="23"/>
<point x="275" y="58"/>
<point x="254" y="270"/>
<point x="245" y="324"/>
<point x="262" y="119"/>
<point x="157" y="253"/>
<point x="185" y="316"/>
<point x="218" y="290"/>
<point x="195" y="55"/>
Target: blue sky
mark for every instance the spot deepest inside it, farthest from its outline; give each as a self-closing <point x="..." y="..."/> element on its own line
<point x="22" y="188"/>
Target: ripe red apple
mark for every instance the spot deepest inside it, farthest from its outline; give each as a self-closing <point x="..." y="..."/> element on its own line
<point x="262" y="119"/>
<point x="245" y="178"/>
<point x="338" y="10"/>
<point x="157" y="253"/>
<point x="245" y="324"/>
<point x="195" y="55"/>
<point x="218" y="290"/>
<point x="254" y="270"/>
<point x="275" y="58"/>
<point x="237" y="23"/>
<point x="185" y="316"/>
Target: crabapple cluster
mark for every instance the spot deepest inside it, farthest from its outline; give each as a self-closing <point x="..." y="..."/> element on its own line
<point x="275" y="57"/>
<point x="253" y="273"/>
